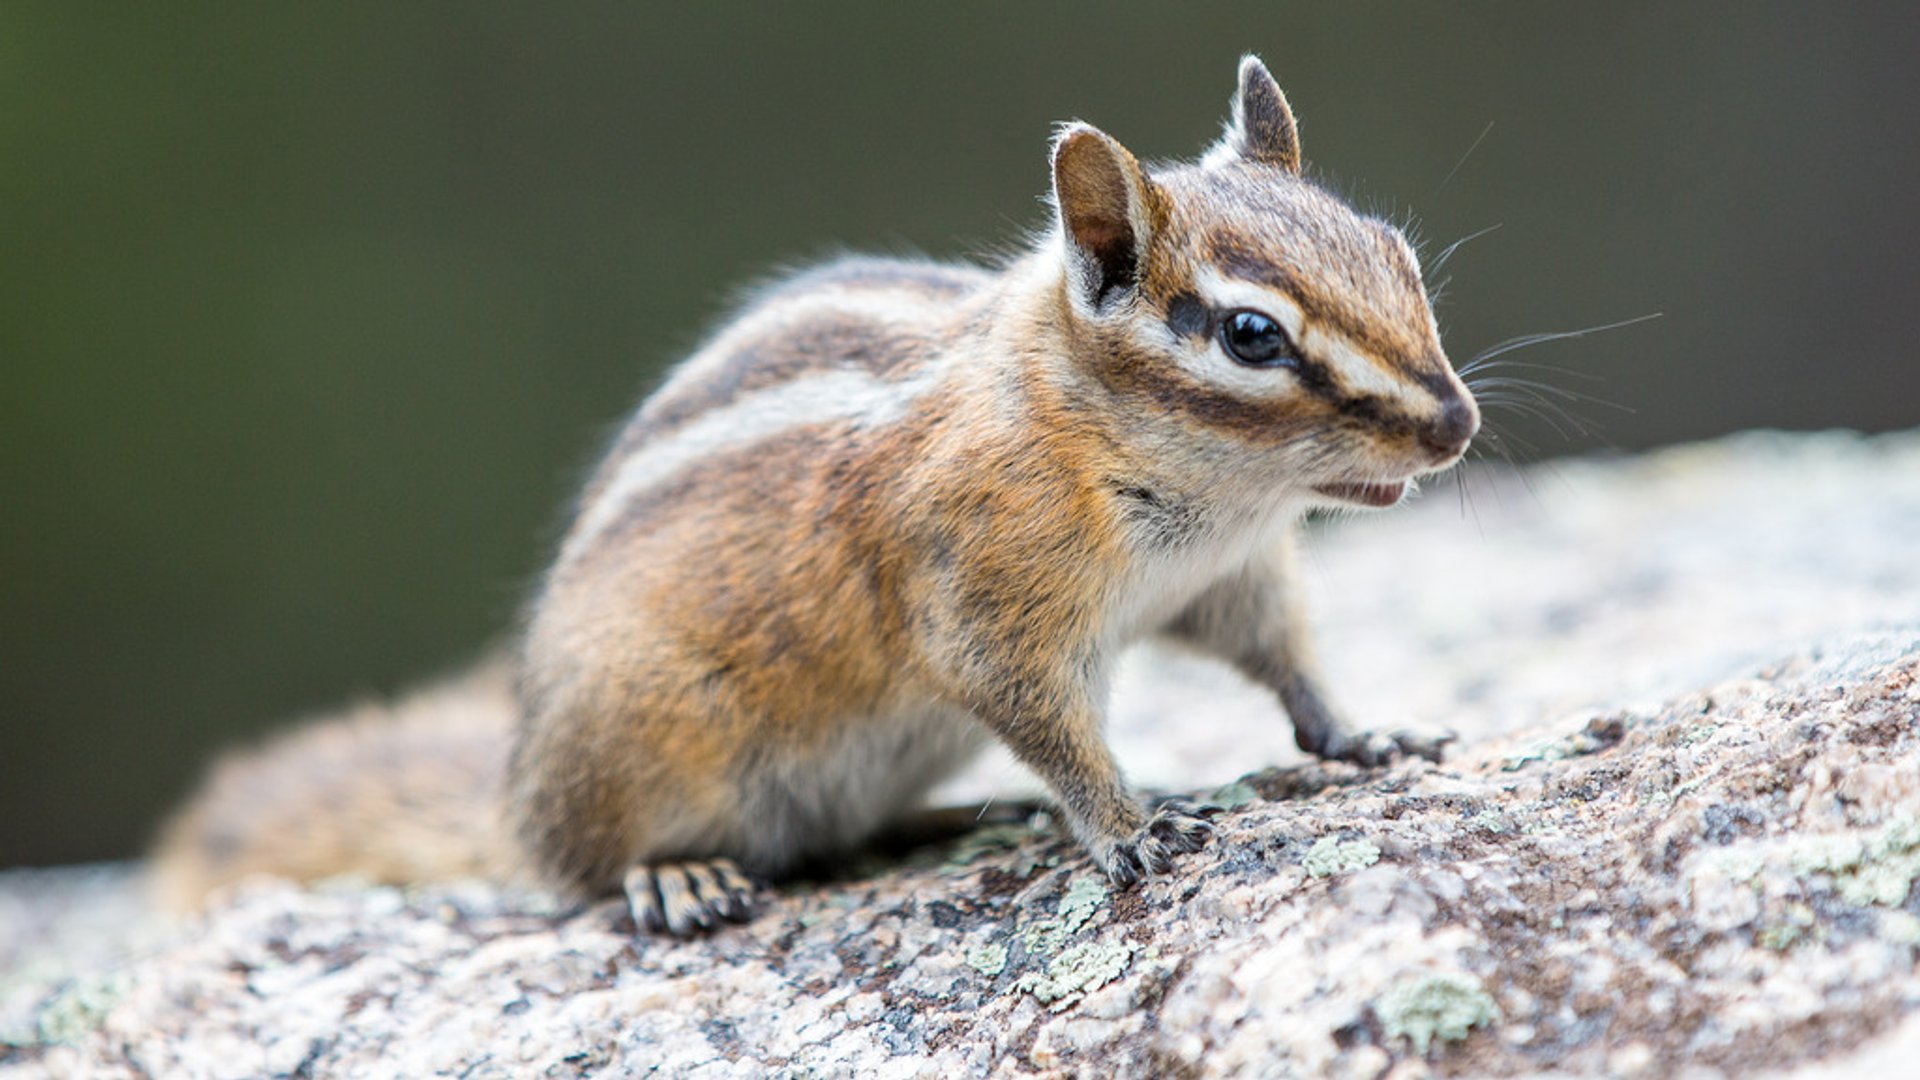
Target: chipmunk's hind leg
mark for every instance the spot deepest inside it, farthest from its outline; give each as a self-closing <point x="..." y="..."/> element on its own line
<point x="945" y="824"/>
<point x="687" y="898"/>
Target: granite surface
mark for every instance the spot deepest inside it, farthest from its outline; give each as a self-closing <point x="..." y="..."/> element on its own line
<point x="1679" y="836"/>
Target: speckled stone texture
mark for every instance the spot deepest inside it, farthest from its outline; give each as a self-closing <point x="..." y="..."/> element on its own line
<point x="1679" y="836"/>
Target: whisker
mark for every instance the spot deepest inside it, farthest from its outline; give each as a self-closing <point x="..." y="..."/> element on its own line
<point x="1527" y="340"/>
<point x="1506" y="442"/>
<point x="1526" y="481"/>
<point x="1543" y="394"/>
<point x="1467" y="500"/>
<point x="1501" y="364"/>
<point x="1550" y="415"/>
<point x="1447" y="253"/>
<point x="1463" y="158"/>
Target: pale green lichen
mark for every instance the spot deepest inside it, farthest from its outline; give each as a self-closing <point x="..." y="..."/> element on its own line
<point x="1330" y="855"/>
<point x="1083" y="897"/>
<point x="987" y="840"/>
<point x="1235" y="795"/>
<point x="1078" y="969"/>
<point x="1795" y="925"/>
<point x="1542" y="751"/>
<point x="1492" y="821"/>
<point x="989" y="959"/>
<point x="1443" y="1005"/>
<point x="1780" y="936"/>
<point x="77" y="1011"/>
<point x="1574" y="745"/>
<point x="1077" y="905"/>
<point x="1743" y="865"/>
<point x="1878" y="867"/>
<point x="1697" y="734"/>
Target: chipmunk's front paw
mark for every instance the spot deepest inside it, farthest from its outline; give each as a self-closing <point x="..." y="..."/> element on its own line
<point x="688" y="897"/>
<point x="1175" y="828"/>
<point x="1376" y="748"/>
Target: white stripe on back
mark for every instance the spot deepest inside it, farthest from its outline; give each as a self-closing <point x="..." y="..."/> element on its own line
<point x="827" y="397"/>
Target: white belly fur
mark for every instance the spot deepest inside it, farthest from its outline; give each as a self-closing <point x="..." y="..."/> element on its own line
<point x="874" y="772"/>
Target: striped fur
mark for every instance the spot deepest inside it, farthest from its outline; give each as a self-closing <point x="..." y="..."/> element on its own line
<point x="892" y="509"/>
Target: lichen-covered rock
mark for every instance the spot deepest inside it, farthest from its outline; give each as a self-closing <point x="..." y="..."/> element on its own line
<point x="1680" y="832"/>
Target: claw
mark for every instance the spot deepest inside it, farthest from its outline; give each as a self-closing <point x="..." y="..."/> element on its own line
<point x="1177" y="827"/>
<point x="737" y="889"/>
<point x="643" y="900"/>
<point x="684" y="899"/>
<point x="1374" y="749"/>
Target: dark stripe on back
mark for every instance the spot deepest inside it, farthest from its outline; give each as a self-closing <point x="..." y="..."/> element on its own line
<point x="760" y="476"/>
<point x="829" y="341"/>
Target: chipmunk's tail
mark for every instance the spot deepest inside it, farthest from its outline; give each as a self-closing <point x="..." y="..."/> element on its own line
<point x="390" y="793"/>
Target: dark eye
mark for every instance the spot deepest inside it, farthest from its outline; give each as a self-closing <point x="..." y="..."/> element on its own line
<point x="1256" y="340"/>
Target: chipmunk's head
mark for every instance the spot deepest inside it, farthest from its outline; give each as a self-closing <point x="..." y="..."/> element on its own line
<point x="1243" y="310"/>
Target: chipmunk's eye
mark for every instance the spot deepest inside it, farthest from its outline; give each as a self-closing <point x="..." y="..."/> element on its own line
<point x="1256" y="340"/>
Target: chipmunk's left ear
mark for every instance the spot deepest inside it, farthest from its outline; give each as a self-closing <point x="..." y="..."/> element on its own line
<point x="1262" y="128"/>
<point x="1105" y="203"/>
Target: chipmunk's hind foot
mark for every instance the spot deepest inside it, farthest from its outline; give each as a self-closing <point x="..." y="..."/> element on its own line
<point x="688" y="898"/>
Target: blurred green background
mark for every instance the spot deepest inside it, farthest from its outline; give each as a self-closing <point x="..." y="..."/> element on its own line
<point x="311" y="315"/>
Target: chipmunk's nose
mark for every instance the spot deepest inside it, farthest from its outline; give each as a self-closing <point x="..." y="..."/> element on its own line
<point x="1447" y="437"/>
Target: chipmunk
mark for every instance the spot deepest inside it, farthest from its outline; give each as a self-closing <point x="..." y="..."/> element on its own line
<point x="892" y="509"/>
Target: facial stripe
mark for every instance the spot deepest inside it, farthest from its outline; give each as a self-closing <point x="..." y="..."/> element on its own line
<point x="1330" y="367"/>
<point x="1189" y="317"/>
<point x="1377" y="413"/>
<point x="1239" y="259"/>
<point x="1141" y="372"/>
<point x="1359" y="371"/>
<point x="1225" y="294"/>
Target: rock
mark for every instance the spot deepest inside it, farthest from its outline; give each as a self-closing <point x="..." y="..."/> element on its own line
<point x="1679" y="835"/>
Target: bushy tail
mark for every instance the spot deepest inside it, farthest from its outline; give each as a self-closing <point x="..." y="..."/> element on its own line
<point x="393" y="793"/>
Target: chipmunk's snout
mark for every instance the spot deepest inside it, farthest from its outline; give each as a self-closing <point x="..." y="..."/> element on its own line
<point x="1447" y="436"/>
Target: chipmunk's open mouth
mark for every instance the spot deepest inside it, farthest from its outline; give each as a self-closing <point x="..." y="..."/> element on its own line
<point x="1375" y="494"/>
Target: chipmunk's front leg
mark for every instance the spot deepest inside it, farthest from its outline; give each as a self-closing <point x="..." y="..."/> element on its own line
<point x="1253" y="619"/>
<point x="1047" y="718"/>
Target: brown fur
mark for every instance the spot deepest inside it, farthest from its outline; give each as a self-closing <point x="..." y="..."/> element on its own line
<point x="393" y="794"/>
<point x="893" y="508"/>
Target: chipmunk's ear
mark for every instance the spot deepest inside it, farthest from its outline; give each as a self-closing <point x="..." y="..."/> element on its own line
<point x="1262" y="128"/>
<point x="1104" y="200"/>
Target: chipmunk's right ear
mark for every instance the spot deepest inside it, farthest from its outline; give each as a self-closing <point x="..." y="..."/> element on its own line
<point x="1104" y="200"/>
<point x="1261" y="129"/>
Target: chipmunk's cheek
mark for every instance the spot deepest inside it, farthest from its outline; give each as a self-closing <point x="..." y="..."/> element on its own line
<point x="1376" y="495"/>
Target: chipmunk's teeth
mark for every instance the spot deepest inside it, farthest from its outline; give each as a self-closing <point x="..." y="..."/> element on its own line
<point x="1366" y="494"/>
